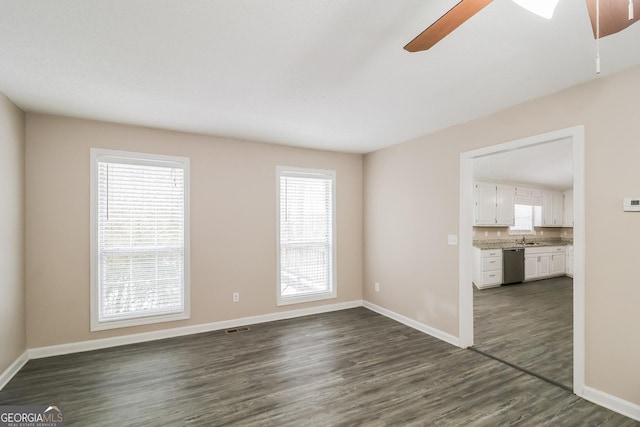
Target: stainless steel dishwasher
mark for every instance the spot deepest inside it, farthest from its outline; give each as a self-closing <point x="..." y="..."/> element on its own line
<point x="512" y="265"/>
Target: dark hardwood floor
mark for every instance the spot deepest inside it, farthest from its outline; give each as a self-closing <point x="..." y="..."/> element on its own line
<point x="529" y="325"/>
<point x="352" y="367"/>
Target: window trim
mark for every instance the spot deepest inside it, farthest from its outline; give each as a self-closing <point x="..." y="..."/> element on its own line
<point x="129" y="157"/>
<point x="332" y="293"/>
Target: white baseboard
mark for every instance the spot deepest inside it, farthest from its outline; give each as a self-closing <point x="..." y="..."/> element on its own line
<point x="76" y="347"/>
<point x="13" y="369"/>
<point x="436" y="333"/>
<point x="614" y="403"/>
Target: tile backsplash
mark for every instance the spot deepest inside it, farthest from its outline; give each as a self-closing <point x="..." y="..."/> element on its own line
<point x="491" y="233"/>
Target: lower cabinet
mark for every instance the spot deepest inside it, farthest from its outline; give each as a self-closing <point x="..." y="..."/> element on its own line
<point x="557" y="263"/>
<point x="487" y="268"/>
<point x="530" y="266"/>
<point x="569" y="261"/>
<point x="539" y="263"/>
<point x="536" y="266"/>
<point x="544" y="262"/>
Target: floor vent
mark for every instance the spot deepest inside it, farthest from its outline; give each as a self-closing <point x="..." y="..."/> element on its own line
<point x="235" y="330"/>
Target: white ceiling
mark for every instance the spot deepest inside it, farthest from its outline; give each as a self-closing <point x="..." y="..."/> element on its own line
<point x="328" y="74"/>
<point x="547" y="165"/>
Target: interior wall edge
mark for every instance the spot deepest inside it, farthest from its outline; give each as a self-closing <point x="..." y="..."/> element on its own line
<point x="12" y="233"/>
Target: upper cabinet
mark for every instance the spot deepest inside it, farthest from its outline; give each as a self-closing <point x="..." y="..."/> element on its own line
<point x="494" y="204"/>
<point x="552" y="208"/>
<point x="532" y="195"/>
<point x="567" y="216"/>
<point x="505" y="202"/>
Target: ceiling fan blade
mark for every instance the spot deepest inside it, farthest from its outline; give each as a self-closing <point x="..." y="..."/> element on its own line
<point x="446" y="24"/>
<point x="614" y="15"/>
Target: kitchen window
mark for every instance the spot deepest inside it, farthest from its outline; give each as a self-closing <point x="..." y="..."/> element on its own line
<point x="305" y="235"/>
<point x="526" y="218"/>
<point x="139" y="239"/>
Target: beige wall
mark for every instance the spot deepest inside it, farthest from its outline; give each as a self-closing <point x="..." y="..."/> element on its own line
<point x="233" y="247"/>
<point x="412" y="203"/>
<point x="12" y="257"/>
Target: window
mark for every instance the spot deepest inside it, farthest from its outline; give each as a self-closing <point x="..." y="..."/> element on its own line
<point x="526" y="218"/>
<point x="139" y="239"/>
<point x="306" y="235"/>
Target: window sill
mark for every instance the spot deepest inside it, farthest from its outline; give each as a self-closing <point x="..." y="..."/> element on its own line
<point x="138" y="321"/>
<point x="305" y="298"/>
<point x="522" y="233"/>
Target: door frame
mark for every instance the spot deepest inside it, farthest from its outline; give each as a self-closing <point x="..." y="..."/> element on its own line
<point x="576" y="134"/>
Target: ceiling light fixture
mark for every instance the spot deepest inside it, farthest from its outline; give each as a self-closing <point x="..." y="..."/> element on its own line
<point x="542" y="8"/>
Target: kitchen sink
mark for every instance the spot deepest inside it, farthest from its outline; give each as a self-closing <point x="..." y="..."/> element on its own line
<point x="532" y="243"/>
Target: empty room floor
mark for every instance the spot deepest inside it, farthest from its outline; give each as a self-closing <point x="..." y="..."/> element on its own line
<point x="351" y="367"/>
<point x="529" y="325"/>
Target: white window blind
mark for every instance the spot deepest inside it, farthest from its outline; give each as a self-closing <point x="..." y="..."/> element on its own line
<point x="526" y="218"/>
<point x="140" y="217"/>
<point x="306" y="228"/>
<point x="523" y="218"/>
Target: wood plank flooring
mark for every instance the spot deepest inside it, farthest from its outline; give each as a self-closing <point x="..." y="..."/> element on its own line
<point x="529" y="325"/>
<point x="352" y="367"/>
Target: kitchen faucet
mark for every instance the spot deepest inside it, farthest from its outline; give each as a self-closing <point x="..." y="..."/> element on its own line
<point x="523" y="240"/>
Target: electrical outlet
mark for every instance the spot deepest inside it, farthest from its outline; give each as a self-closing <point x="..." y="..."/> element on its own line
<point x="236" y="297"/>
<point x="377" y="287"/>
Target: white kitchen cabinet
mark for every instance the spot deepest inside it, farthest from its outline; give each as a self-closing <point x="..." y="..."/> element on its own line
<point x="505" y="204"/>
<point x="536" y="266"/>
<point x="544" y="262"/>
<point x="547" y="208"/>
<point x="487" y="268"/>
<point x="530" y="267"/>
<point x="557" y="208"/>
<point x="534" y="195"/>
<point x="485" y="207"/>
<point x="552" y="208"/>
<point x="569" y="261"/>
<point x="557" y="264"/>
<point x="543" y="265"/>
<point x="494" y="204"/>
<point x="567" y="215"/>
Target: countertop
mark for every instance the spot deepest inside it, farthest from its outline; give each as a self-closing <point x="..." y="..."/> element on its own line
<point x="503" y="244"/>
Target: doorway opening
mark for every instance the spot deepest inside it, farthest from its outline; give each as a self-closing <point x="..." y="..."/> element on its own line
<point x="575" y="136"/>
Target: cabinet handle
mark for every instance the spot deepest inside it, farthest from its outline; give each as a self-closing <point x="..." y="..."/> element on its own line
<point x="492" y="262"/>
<point x="492" y="275"/>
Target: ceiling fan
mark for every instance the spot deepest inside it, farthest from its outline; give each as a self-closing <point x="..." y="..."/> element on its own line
<point x="615" y="15"/>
